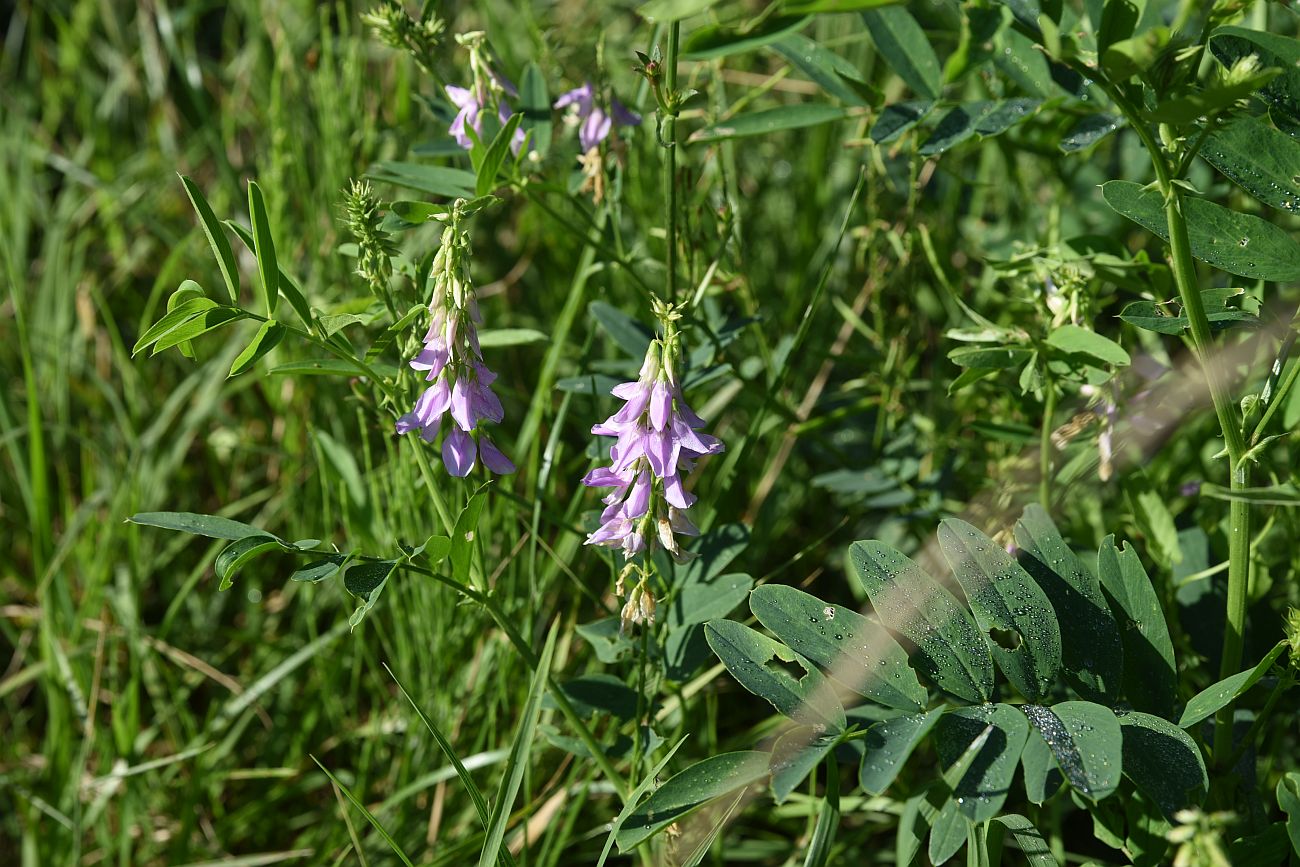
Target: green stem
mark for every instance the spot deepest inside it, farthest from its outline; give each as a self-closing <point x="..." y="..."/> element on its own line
<point x="1184" y="273"/>
<point x="1045" y="447"/>
<point x="669" y="137"/>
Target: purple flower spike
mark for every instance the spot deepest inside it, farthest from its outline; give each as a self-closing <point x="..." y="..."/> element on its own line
<point x="468" y="116"/>
<point x="461" y="382"/>
<point x="657" y="437"/>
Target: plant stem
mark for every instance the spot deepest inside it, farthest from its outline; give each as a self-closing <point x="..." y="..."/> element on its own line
<point x="1045" y="447"/>
<point x="1184" y="273"/>
<point x="669" y="139"/>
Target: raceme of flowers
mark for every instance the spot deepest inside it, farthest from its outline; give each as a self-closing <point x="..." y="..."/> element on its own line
<point x="658" y="437"/>
<point x="453" y="361"/>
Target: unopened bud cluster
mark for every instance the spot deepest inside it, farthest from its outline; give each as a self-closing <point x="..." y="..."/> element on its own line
<point x="375" y="248"/>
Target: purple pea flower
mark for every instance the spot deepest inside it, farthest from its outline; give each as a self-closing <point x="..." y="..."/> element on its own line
<point x="453" y="362"/>
<point x="594" y="122"/>
<point x="470" y="105"/>
<point x="657" y="436"/>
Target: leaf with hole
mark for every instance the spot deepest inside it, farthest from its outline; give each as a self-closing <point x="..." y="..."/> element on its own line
<point x="854" y="651"/>
<point x="1092" y="652"/>
<point x="1006" y="602"/>
<point x="951" y="650"/>
<point x="774" y="672"/>
<point x="1288" y="799"/>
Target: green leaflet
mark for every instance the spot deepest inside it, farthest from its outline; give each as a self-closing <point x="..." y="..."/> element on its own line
<point x="693" y="787"/>
<point x="1086" y="742"/>
<point x="1210" y="700"/>
<point x="216" y="238"/>
<point x="1076" y="340"/>
<point x="722" y="40"/>
<point x="1258" y="158"/>
<point x="1003" y="597"/>
<point x="888" y="744"/>
<point x="987" y="118"/>
<point x="794" y="755"/>
<point x="268" y="336"/>
<point x="1150" y="670"/>
<point x="951" y="650"/>
<point x="982" y="789"/>
<point x="212" y="526"/>
<point x="854" y="651"/>
<point x="770" y="120"/>
<point x="264" y="248"/>
<point x="1030" y="840"/>
<point x="1092" y="652"/>
<point x="901" y="41"/>
<point x="1163" y="762"/>
<point x="1043" y="777"/>
<point x="435" y="180"/>
<point x="774" y="672"/>
<point x="1288" y="799"/>
<point x="1237" y="243"/>
<point x="1230" y="44"/>
<point x="239" y="552"/>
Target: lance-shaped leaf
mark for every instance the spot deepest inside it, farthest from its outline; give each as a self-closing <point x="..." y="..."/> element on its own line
<point x="1237" y="243"/>
<point x="770" y="120"/>
<point x="1163" y="762"/>
<point x="212" y="526"/>
<point x="216" y="238"/>
<point x="985" y="118"/>
<point x="774" y="672"/>
<point x="692" y="788"/>
<point x="983" y="787"/>
<point x="1210" y="700"/>
<point x="888" y="744"/>
<point x="1092" y="651"/>
<point x="951" y="650"/>
<point x="1085" y="740"/>
<point x="1008" y="604"/>
<point x="1150" y="671"/>
<point x="264" y="247"/>
<point x="853" y="650"/>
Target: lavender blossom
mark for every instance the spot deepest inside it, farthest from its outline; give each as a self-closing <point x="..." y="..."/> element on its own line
<point x="594" y="122"/>
<point x="453" y="361"/>
<point x="657" y="438"/>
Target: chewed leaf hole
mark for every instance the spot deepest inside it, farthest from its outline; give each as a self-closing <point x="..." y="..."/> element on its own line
<point x="1007" y="639"/>
<point x="778" y="665"/>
